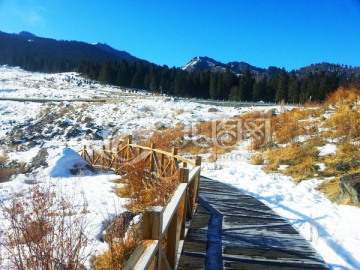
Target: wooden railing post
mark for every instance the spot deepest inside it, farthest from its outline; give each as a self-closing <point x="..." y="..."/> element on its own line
<point x="175" y="232"/>
<point x="129" y="139"/>
<point x="93" y="156"/>
<point x="152" y="158"/>
<point x="174" y="160"/>
<point x="197" y="179"/>
<point x="184" y="178"/>
<point x="83" y="152"/>
<point x="103" y="157"/>
<point x="152" y="228"/>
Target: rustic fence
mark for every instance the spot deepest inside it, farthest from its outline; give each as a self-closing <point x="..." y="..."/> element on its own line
<point x="163" y="227"/>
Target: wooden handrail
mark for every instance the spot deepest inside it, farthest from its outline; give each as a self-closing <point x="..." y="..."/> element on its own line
<point x="158" y="222"/>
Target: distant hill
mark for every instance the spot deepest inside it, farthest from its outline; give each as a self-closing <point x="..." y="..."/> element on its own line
<point x="327" y="68"/>
<point x="202" y="77"/>
<point x="209" y="64"/>
<point x="28" y="50"/>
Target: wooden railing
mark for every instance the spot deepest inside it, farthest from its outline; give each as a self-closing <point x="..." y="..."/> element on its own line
<point x="163" y="227"/>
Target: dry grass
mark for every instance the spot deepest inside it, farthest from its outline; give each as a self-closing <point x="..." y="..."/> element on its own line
<point x="46" y="231"/>
<point x="345" y="161"/>
<point x="342" y="126"/>
<point x="120" y="249"/>
<point x="345" y="122"/>
<point x="252" y="115"/>
<point x="167" y="139"/>
<point x="288" y="125"/>
<point x="257" y="159"/>
<point x="332" y="191"/>
<point x="300" y="157"/>
<point x="144" y="188"/>
<point x="343" y="95"/>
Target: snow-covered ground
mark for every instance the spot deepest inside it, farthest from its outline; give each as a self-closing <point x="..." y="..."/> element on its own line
<point x="330" y="228"/>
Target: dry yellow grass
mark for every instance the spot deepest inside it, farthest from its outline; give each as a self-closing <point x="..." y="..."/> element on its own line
<point x="145" y="189"/>
<point x="343" y="95"/>
<point x="300" y="157"/>
<point x="120" y="250"/>
<point x="257" y="159"/>
<point x="345" y="122"/>
<point x="342" y="126"/>
<point x="332" y="191"/>
<point x="345" y="161"/>
<point x="166" y="139"/>
<point x="288" y="125"/>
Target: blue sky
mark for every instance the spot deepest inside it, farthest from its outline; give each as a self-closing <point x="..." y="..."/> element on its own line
<point x="283" y="33"/>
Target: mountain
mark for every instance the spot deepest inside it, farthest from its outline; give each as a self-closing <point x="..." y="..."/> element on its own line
<point x="121" y="54"/>
<point x="23" y="48"/>
<point x="207" y="63"/>
<point x="327" y="68"/>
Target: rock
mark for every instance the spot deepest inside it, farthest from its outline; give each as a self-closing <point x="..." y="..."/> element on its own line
<point x="355" y="162"/>
<point x="97" y="135"/>
<point x="346" y="165"/>
<point x="212" y="110"/>
<point x="64" y="124"/>
<point x="72" y="133"/>
<point x="15" y="142"/>
<point x="271" y="112"/>
<point x="160" y="125"/>
<point x="76" y="170"/>
<point x="350" y="186"/>
<point x="39" y="160"/>
<point x="32" y="144"/>
<point x="90" y="125"/>
<point x="118" y="228"/>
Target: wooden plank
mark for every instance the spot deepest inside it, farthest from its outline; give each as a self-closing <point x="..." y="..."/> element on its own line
<point x="143" y="256"/>
<point x="169" y="210"/>
<point x="193" y="173"/>
<point x="174" y="233"/>
<point x="233" y="230"/>
<point x="152" y="223"/>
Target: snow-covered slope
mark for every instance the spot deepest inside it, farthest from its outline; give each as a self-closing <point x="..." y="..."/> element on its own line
<point x="61" y="128"/>
<point x="207" y="63"/>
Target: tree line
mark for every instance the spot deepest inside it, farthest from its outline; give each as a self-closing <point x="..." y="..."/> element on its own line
<point x="275" y="85"/>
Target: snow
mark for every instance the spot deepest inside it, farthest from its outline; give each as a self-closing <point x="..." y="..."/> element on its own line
<point x="67" y="161"/>
<point x="327" y="149"/>
<point x="26" y="156"/>
<point x="330" y="228"/>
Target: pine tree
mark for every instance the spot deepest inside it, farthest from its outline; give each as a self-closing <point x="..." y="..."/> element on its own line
<point x="259" y="89"/>
<point x="293" y="88"/>
<point x="281" y="88"/>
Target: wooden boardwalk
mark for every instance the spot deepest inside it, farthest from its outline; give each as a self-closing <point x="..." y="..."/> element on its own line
<point x="232" y="230"/>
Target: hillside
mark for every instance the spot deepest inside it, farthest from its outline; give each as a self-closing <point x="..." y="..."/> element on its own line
<point x="209" y="64"/>
<point x="41" y="140"/>
<point x="202" y="77"/>
<point x="32" y="52"/>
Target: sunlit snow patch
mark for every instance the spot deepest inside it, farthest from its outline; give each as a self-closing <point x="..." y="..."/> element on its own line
<point x="69" y="164"/>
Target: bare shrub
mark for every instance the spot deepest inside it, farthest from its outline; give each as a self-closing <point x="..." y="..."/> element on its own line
<point x="121" y="246"/>
<point x="145" y="188"/>
<point x="45" y="230"/>
<point x="343" y="95"/>
<point x="167" y="139"/>
<point x="345" y="122"/>
<point x="300" y="158"/>
<point x="257" y="159"/>
<point x="287" y="125"/>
